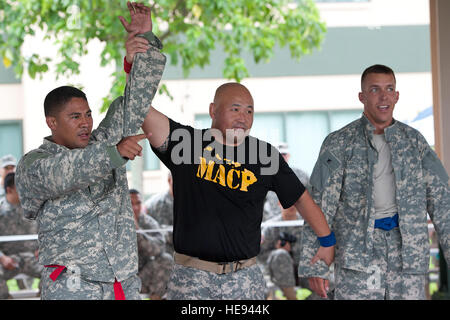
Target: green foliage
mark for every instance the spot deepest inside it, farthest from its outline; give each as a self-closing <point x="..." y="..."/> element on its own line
<point x="189" y="30"/>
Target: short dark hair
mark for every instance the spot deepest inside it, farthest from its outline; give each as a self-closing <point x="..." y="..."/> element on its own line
<point x="58" y="97"/>
<point x="377" y="68"/>
<point x="134" y="191"/>
<point x="9" y="181"/>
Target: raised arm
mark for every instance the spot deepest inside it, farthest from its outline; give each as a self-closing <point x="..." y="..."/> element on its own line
<point x="126" y="114"/>
<point x="156" y="127"/>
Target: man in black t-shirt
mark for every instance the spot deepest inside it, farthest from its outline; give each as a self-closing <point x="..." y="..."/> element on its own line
<point x="221" y="176"/>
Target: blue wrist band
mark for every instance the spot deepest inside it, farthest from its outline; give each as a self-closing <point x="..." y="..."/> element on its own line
<point x="327" y="241"/>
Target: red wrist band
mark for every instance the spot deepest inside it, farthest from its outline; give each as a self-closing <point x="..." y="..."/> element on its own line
<point x="126" y="65"/>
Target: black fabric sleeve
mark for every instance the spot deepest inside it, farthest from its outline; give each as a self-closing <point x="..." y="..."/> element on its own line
<point x="165" y="156"/>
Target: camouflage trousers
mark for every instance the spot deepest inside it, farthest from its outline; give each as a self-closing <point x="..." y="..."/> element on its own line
<point x="155" y="274"/>
<point x="384" y="279"/>
<point x="71" y="286"/>
<point x="192" y="284"/>
<point x="27" y="264"/>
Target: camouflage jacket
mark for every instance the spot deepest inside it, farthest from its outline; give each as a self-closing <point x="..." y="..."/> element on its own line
<point x="160" y="208"/>
<point x="149" y="244"/>
<point x="342" y="185"/>
<point x="80" y="196"/>
<point x="12" y="222"/>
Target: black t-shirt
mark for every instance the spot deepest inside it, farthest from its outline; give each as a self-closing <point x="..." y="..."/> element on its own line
<point x="219" y="192"/>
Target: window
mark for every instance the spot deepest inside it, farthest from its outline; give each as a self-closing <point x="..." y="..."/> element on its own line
<point x="11" y="138"/>
<point x="303" y="131"/>
<point x="151" y="161"/>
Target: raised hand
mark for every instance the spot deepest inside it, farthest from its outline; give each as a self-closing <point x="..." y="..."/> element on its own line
<point x="141" y="18"/>
<point x="134" y="45"/>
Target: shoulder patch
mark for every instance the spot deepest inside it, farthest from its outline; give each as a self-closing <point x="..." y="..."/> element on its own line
<point x="330" y="160"/>
<point x="32" y="157"/>
<point x="325" y="166"/>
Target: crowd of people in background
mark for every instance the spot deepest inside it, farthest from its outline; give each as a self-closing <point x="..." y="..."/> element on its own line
<point x="280" y="246"/>
<point x="360" y="220"/>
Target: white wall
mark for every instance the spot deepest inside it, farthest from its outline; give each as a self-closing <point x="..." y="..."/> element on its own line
<point x="295" y="93"/>
<point x="194" y="96"/>
<point x="93" y="79"/>
<point x="375" y="13"/>
<point x="11" y="107"/>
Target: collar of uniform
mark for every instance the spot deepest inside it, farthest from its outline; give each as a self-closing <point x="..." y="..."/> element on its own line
<point x="52" y="147"/>
<point x="370" y="128"/>
<point x="391" y="131"/>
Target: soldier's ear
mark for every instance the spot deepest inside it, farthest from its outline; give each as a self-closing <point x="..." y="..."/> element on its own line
<point x="51" y="122"/>
<point x="361" y="97"/>
<point x="212" y="110"/>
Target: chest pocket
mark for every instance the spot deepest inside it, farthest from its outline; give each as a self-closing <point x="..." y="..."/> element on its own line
<point x="103" y="188"/>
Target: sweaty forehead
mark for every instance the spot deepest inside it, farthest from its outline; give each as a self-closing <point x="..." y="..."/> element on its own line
<point x="76" y="105"/>
<point x="378" y="79"/>
<point x="234" y="96"/>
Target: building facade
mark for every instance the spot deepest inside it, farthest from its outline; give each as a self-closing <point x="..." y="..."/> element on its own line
<point x="298" y="102"/>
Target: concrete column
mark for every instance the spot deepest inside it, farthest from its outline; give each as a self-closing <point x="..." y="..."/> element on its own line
<point x="440" y="62"/>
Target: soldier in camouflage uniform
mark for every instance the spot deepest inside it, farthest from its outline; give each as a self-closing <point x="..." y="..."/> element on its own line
<point x="155" y="264"/>
<point x="7" y="165"/>
<point x="382" y="249"/>
<point x="271" y="206"/>
<point x="280" y="262"/>
<point x="16" y="256"/>
<point x="75" y="183"/>
<point x="160" y="208"/>
<point x="281" y="265"/>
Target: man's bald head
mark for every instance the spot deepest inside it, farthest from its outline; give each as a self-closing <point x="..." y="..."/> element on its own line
<point x="229" y="89"/>
<point x="232" y="111"/>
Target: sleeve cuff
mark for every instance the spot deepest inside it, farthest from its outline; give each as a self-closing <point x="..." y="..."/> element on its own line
<point x="318" y="270"/>
<point x="152" y="39"/>
<point x="116" y="159"/>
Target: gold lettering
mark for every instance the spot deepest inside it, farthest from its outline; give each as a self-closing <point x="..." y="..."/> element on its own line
<point x="248" y="178"/>
<point x="220" y="174"/>
<point x="230" y="179"/>
<point x="205" y="171"/>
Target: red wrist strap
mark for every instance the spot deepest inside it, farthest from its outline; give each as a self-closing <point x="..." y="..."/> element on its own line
<point x="126" y="65"/>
